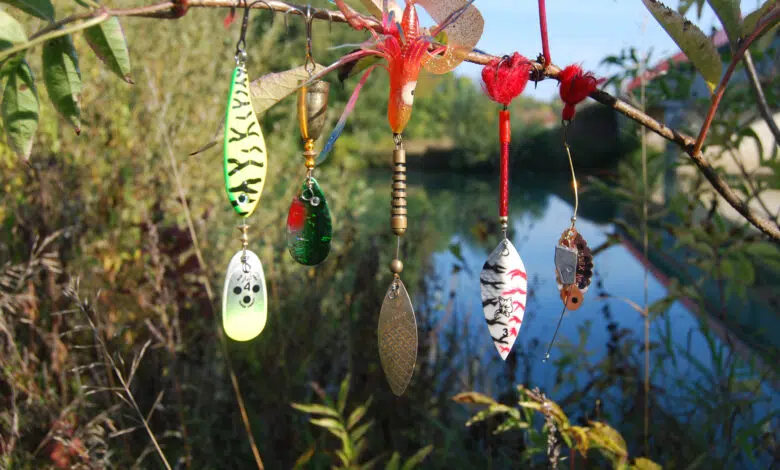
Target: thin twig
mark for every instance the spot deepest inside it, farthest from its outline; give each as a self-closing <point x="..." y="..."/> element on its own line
<point x="763" y="106"/>
<point x="691" y="146"/>
<point x="128" y="398"/>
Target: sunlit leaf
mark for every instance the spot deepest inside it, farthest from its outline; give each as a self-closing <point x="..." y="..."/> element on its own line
<point x="751" y="20"/>
<point x="20" y="110"/>
<point x="642" y="463"/>
<point x="332" y="425"/>
<point x="361" y="431"/>
<point x="269" y="89"/>
<point x="375" y="8"/>
<point x="580" y="436"/>
<point x="491" y="411"/>
<point x="608" y="439"/>
<point x="394" y="463"/>
<point x="63" y="79"/>
<point x="415" y="460"/>
<point x="474" y="398"/>
<point x="108" y="42"/>
<point x="316" y="409"/>
<point x="730" y="16"/>
<point x="11" y="32"/>
<point x="42" y="9"/>
<point x="694" y="43"/>
<point x="356" y="415"/>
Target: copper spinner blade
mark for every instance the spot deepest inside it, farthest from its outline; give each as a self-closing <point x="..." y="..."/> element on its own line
<point x="397" y="333"/>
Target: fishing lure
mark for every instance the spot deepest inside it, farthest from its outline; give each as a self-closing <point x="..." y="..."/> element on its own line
<point x="309" y="225"/>
<point x="573" y="258"/>
<point x="503" y="280"/>
<point x="244" y="307"/>
<point x="406" y="49"/>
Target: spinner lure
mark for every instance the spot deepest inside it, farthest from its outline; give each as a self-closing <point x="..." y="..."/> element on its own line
<point x="573" y="258"/>
<point x="309" y="225"/>
<point x="503" y="280"/>
<point x="407" y="49"/>
<point x="244" y="300"/>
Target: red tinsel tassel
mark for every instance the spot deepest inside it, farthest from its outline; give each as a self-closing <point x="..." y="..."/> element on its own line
<point x="576" y="85"/>
<point x="506" y="78"/>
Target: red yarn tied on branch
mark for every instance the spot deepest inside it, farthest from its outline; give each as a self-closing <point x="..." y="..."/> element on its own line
<point x="576" y="85"/>
<point x="504" y="80"/>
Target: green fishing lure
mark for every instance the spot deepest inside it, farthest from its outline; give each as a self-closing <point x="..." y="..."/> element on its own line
<point x="244" y="150"/>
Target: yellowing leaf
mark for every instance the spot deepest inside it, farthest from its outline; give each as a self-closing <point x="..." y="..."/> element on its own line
<point x="645" y="464"/>
<point x="20" y="110"/>
<point x="474" y="398"/>
<point x="693" y="42"/>
<point x="608" y="439"/>
<point x="269" y="89"/>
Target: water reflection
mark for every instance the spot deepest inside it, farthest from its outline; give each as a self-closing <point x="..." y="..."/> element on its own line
<point x="604" y="325"/>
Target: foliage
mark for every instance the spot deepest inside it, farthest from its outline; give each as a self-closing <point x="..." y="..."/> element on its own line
<point x="350" y="429"/>
<point x="596" y="435"/>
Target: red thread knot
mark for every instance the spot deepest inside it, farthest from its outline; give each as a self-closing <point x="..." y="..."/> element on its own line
<point x="506" y="78"/>
<point x="576" y="85"/>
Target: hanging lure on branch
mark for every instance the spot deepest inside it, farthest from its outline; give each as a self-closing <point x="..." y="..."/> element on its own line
<point x="244" y="307"/>
<point x="503" y="280"/>
<point x="406" y="49"/>
<point x="309" y="226"/>
<point x="573" y="258"/>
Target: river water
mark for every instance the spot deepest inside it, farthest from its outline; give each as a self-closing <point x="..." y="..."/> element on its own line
<point x="600" y="346"/>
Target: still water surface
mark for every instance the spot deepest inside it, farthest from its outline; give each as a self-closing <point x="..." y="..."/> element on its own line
<point x="539" y="212"/>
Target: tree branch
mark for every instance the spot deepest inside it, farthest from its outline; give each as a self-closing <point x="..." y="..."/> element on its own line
<point x="692" y="147"/>
<point x="763" y="106"/>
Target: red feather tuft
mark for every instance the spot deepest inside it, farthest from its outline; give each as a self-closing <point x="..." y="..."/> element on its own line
<point x="505" y="79"/>
<point x="229" y="18"/>
<point x="576" y="85"/>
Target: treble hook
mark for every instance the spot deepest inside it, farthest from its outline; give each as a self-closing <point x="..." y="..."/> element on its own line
<point x="241" y="45"/>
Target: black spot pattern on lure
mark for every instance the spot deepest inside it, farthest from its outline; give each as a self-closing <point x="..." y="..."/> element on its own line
<point x="496" y="268"/>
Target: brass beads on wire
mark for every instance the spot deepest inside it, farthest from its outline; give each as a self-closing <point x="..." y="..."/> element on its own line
<point x="398" y="209"/>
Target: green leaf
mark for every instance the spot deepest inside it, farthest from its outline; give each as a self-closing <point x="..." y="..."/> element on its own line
<point x="343" y="393"/>
<point x="394" y="463"/>
<point x="361" y="431"/>
<point x="63" y="79"/>
<point x="356" y="415"/>
<point x="693" y="42"/>
<point x="43" y="9"/>
<point x="686" y="5"/>
<point x="730" y="16"/>
<point x="327" y="423"/>
<point x="20" y="110"/>
<point x="108" y="42"/>
<point x="751" y="20"/>
<point x="417" y="458"/>
<point x="271" y="88"/>
<point x="315" y="409"/>
<point x="11" y="32"/>
<point x="607" y="439"/>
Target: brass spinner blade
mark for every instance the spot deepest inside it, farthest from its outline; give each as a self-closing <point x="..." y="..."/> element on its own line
<point x="397" y="337"/>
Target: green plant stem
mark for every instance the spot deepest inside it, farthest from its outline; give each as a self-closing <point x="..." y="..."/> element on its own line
<point x="53" y="34"/>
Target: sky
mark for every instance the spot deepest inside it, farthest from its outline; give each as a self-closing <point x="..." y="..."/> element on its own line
<point x="580" y="31"/>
